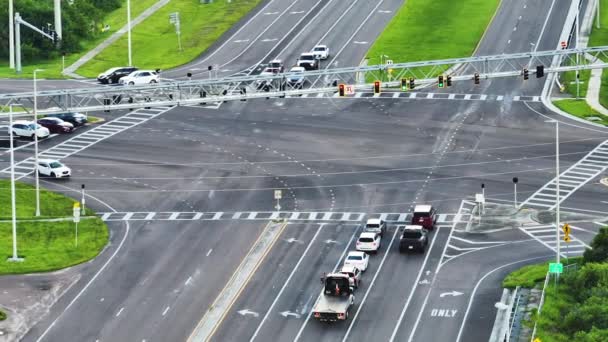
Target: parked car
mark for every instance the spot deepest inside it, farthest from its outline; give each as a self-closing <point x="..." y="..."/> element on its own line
<point x="53" y="168"/>
<point x="357" y="259"/>
<point x="368" y="242"/>
<point x="296" y="81"/>
<point x="56" y="125"/>
<point x="22" y="128"/>
<point x="114" y="74"/>
<point x="140" y="77"/>
<point x="412" y="238"/>
<point x="308" y="61"/>
<point x="276" y="64"/>
<point x="424" y="215"/>
<point x="375" y="226"/>
<point x="76" y="119"/>
<point x="353" y="273"/>
<point x="321" y="51"/>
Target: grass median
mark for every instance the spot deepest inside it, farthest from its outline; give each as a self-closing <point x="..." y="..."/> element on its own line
<point x="438" y="29"/>
<point x="46" y="245"/>
<point x="154" y="41"/>
<point x="580" y="108"/>
<point x="53" y="68"/>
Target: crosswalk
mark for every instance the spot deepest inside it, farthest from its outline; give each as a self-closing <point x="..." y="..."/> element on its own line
<point x="87" y="139"/>
<point x="270" y="215"/>
<point x="546" y="235"/>
<point x="579" y="174"/>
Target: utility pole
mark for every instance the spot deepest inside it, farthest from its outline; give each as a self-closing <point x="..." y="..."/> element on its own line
<point x="15" y="257"/>
<point x="36" y="173"/>
<point x="597" y="16"/>
<point x="11" y="35"/>
<point x="129" y="31"/>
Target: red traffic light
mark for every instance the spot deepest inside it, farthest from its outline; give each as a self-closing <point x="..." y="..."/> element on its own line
<point x="377" y="87"/>
<point x="341" y="89"/>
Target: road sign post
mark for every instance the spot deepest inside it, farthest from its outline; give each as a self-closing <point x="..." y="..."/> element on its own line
<point x="174" y="19"/>
<point x="278" y="194"/>
<point x="76" y="219"/>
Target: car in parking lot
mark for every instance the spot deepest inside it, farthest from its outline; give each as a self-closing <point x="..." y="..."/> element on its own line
<point x="375" y="226"/>
<point x="114" y="74"/>
<point x="368" y="242"/>
<point x="413" y="238"/>
<point x="353" y="273"/>
<point x="52" y="168"/>
<point x="56" y="125"/>
<point x="424" y="215"/>
<point x="321" y="51"/>
<point x="76" y="119"/>
<point x="296" y="81"/>
<point x="308" y="61"/>
<point x="357" y="259"/>
<point x="140" y="77"/>
<point x="22" y="128"/>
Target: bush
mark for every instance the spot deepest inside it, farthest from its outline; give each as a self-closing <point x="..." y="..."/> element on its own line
<point x="599" y="248"/>
<point x="2" y="315"/>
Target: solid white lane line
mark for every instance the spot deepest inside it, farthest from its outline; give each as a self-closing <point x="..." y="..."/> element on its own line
<point x="274" y="302"/>
<point x="119" y="311"/>
<point x="166" y="310"/>
<point x="466" y="313"/>
<point x="350" y="241"/>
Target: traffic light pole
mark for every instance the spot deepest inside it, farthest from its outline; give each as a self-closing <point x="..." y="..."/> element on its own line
<point x="18" y="22"/>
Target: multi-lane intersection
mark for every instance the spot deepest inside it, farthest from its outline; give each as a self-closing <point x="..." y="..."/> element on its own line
<point x="188" y="191"/>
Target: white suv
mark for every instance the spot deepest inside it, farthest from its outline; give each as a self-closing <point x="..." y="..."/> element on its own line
<point x="140" y="77"/>
<point x="53" y="168"/>
<point x="321" y="51"/>
<point x="368" y="242"/>
<point x="308" y="61"/>
<point x="22" y="128"/>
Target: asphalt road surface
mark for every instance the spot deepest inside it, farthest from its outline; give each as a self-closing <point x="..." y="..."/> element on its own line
<point x="159" y="277"/>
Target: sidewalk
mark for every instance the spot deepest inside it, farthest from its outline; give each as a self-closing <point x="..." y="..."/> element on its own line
<point x="71" y="70"/>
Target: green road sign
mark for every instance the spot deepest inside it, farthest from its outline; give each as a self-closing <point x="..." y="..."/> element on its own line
<point x="556" y="268"/>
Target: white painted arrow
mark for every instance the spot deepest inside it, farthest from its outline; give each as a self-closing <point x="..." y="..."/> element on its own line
<point x="289" y="313"/>
<point x="296" y="12"/>
<point x="292" y="240"/>
<point x="241" y="40"/>
<point x="453" y="294"/>
<point x="271" y="13"/>
<point x="270" y="40"/>
<point x="428" y="272"/>
<point x="331" y="241"/>
<point x="246" y="312"/>
<point x="384" y="11"/>
<point x="425" y="281"/>
<point x="358" y="42"/>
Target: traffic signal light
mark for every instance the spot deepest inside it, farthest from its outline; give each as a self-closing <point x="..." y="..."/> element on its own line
<point x="404" y="84"/>
<point x="341" y="89"/>
<point x="377" y="87"/>
<point x="449" y="81"/>
<point x="440" y="82"/>
<point x="412" y="85"/>
<point x="540" y="71"/>
<point x="476" y="78"/>
<point x="526" y="75"/>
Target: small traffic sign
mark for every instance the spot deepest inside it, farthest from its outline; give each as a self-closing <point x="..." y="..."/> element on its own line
<point x="566" y="229"/>
<point x="76" y="212"/>
<point x="537" y="340"/>
<point x="564" y="44"/>
<point x="278" y="194"/>
<point x="567" y="238"/>
<point x="556" y="267"/>
<point x="349" y="89"/>
<point x="389" y="62"/>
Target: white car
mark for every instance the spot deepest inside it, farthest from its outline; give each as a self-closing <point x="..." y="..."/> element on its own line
<point x="296" y="81"/>
<point x="22" y="128"/>
<point x="308" y="61"/>
<point x="369" y="242"/>
<point x="53" y="168"/>
<point x="353" y="273"/>
<point x="140" y="77"/>
<point x="321" y="51"/>
<point x="358" y="259"/>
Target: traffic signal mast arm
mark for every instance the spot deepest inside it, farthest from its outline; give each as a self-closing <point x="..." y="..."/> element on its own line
<point x="19" y="21"/>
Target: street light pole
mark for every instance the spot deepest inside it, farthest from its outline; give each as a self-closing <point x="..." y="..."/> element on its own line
<point x="15" y="256"/>
<point x="515" y="180"/>
<point x="129" y="31"/>
<point x="11" y="35"/>
<point x="557" y="199"/>
<point x="36" y="175"/>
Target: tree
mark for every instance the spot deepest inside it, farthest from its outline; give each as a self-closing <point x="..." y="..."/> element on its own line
<point x="599" y="248"/>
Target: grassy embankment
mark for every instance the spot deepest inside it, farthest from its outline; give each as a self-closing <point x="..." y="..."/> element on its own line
<point x="46" y="246"/>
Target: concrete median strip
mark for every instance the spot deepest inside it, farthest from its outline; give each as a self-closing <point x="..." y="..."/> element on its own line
<point x="242" y="275"/>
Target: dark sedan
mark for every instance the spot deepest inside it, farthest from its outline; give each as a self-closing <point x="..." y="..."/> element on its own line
<point x="76" y="119"/>
<point x="114" y="74"/>
<point x="56" y="125"/>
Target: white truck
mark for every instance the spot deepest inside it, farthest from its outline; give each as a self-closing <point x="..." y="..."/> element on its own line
<point x="335" y="301"/>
